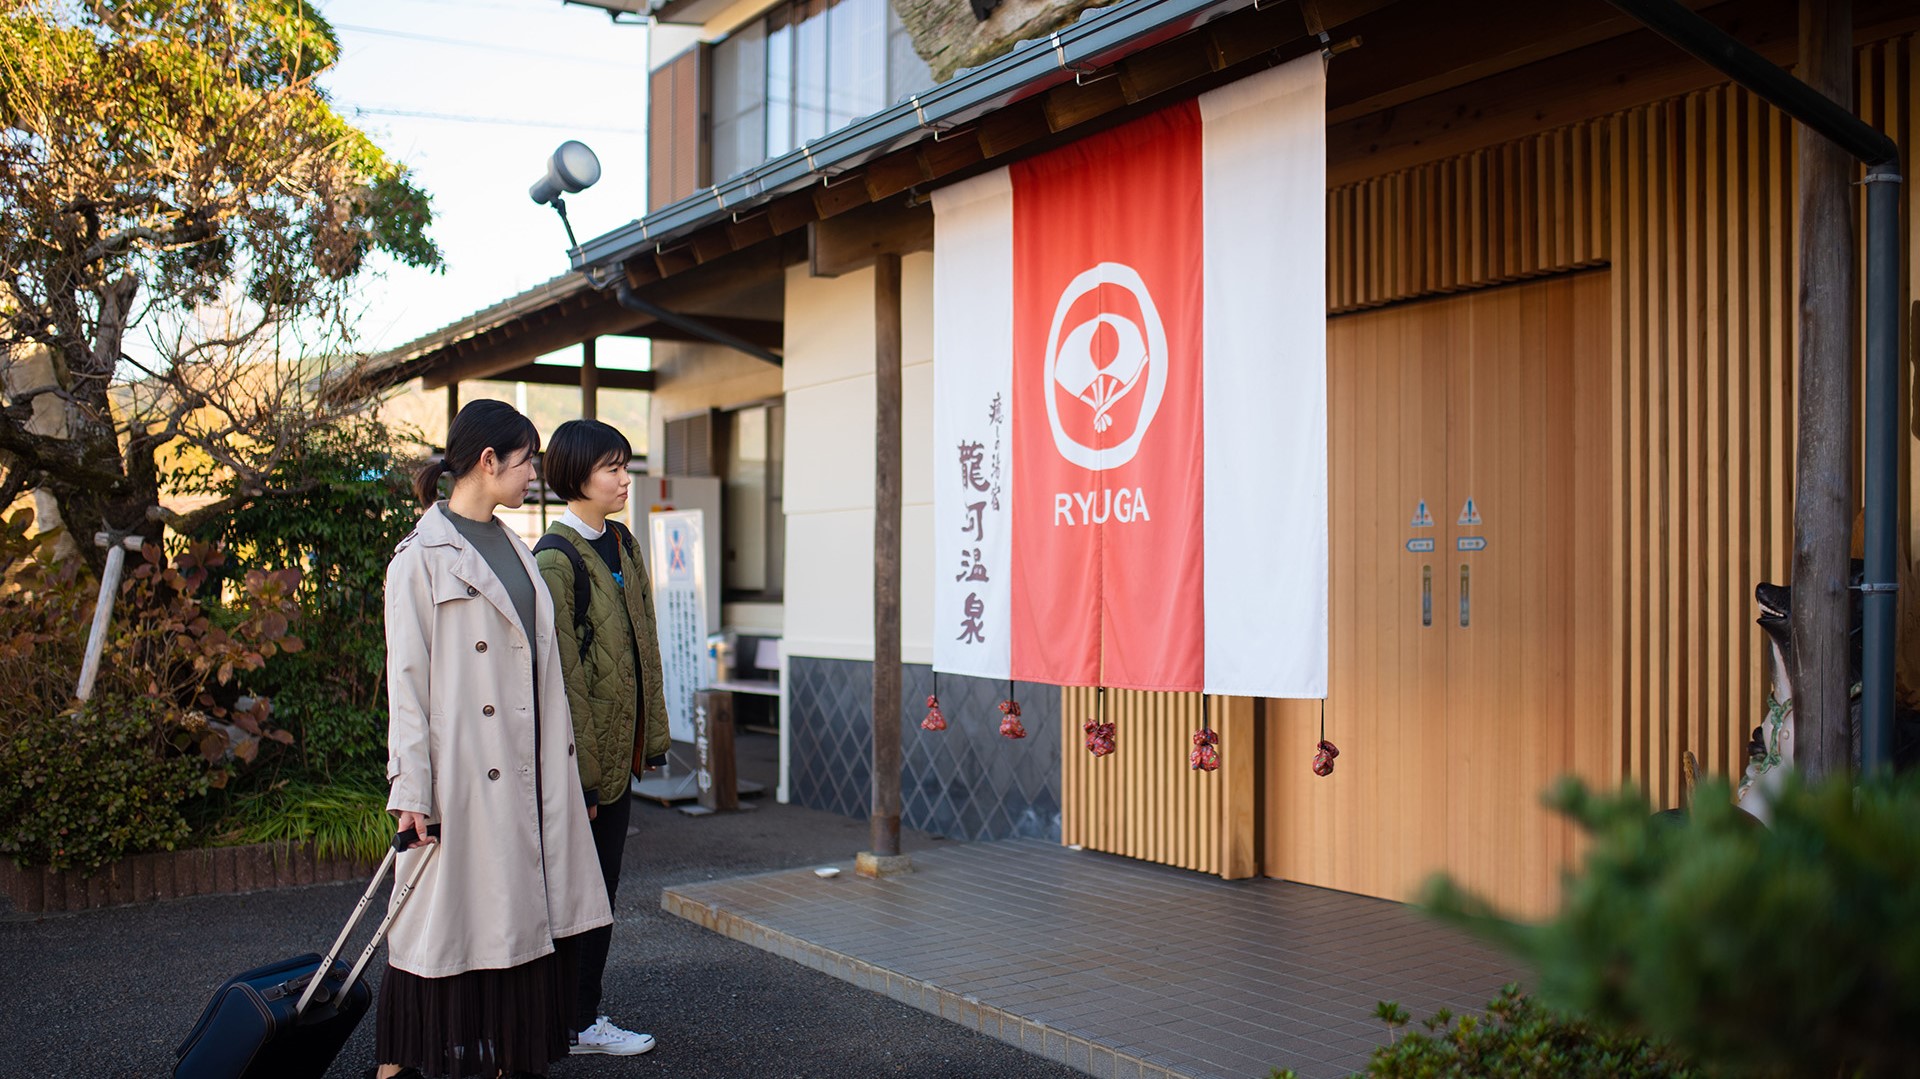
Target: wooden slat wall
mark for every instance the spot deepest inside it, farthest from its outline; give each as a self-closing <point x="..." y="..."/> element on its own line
<point x="1691" y="201"/>
<point x="1702" y="190"/>
<point x="1507" y="213"/>
<point x="1145" y="801"/>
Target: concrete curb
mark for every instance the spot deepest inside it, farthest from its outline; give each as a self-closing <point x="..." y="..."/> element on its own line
<point x="172" y="874"/>
<point x="1042" y="1040"/>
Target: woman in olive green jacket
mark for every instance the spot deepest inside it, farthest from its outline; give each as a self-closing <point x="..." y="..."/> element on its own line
<point x="611" y="660"/>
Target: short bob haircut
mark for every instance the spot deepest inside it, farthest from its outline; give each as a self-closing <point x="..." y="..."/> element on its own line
<point x="577" y="449"/>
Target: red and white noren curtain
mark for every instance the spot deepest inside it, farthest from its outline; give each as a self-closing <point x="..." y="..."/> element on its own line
<point x="1130" y="435"/>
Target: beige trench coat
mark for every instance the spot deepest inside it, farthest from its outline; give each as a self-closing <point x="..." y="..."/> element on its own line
<point x="516" y="866"/>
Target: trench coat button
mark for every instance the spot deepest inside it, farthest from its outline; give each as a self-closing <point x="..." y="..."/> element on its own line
<point x="472" y="591"/>
<point x="487" y="711"/>
<point x="569" y="751"/>
<point x="479" y="646"/>
<point x="493" y="773"/>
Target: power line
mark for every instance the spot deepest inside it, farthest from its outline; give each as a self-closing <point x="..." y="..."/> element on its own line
<point x="487" y="46"/>
<point x="495" y="121"/>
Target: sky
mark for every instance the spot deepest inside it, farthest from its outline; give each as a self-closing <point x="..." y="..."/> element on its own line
<point x="473" y="95"/>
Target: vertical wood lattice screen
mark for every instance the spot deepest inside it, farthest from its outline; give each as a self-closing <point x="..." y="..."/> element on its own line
<point x="1691" y="200"/>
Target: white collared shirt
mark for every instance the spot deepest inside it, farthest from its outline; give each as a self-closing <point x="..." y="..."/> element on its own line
<point x="587" y="532"/>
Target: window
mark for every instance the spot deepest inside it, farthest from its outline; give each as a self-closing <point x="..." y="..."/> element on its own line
<point x="754" y="520"/>
<point x="739" y="101"/>
<point x="812" y="66"/>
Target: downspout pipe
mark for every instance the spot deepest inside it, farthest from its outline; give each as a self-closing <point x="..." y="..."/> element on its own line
<point x="1826" y="117"/>
<point x="632" y="302"/>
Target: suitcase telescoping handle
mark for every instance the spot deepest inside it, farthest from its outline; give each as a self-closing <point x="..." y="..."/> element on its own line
<point x="400" y="842"/>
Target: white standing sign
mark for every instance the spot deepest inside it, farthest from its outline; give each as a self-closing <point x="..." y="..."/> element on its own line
<point x="678" y="566"/>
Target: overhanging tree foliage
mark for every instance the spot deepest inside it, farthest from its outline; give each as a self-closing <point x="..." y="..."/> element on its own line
<point x="172" y="167"/>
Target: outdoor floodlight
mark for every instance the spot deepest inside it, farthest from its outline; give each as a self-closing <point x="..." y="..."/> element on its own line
<point x="571" y="169"/>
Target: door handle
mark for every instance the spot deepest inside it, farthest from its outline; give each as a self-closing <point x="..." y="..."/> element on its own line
<point x="1466" y="594"/>
<point x="1426" y="595"/>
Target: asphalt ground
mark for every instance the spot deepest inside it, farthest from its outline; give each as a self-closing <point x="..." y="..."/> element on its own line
<point x="110" y="993"/>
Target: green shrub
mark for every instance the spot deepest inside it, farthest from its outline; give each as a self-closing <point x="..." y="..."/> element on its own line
<point x="351" y="505"/>
<point x="83" y="785"/>
<point x="1516" y="1039"/>
<point x="84" y="789"/>
<point x="343" y="819"/>
<point x="1790" y="950"/>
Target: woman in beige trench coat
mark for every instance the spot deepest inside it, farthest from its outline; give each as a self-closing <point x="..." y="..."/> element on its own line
<point x="479" y="979"/>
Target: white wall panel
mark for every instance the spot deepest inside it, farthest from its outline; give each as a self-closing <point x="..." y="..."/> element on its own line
<point x="829" y="328"/>
<point x="829" y="596"/>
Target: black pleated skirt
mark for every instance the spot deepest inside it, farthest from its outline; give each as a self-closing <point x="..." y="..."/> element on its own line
<point x="481" y="1022"/>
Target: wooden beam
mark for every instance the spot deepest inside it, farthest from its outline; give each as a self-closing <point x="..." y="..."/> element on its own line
<point x="1823" y="464"/>
<point x="838" y="194"/>
<point x="590" y="379"/>
<point x="559" y="374"/>
<point x="489" y="354"/>
<point x="790" y="213"/>
<point x="767" y="333"/>
<point x="855" y="240"/>
<point x="1011" y="128"/>
<point x="1595" y="80"/>
<point x="885" y="819"/>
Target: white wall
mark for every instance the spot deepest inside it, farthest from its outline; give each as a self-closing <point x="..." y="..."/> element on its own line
<point x="829" y="478"/>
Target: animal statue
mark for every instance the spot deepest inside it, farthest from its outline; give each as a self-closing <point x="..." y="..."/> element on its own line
<point x="1770" y="749"/>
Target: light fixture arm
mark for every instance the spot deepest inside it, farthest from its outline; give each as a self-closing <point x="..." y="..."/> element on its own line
<point x="560" y="207"/>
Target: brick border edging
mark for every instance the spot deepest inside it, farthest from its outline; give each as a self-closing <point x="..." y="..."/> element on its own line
<point x="1039" y="1039"/>
<point x="172" y="874"/>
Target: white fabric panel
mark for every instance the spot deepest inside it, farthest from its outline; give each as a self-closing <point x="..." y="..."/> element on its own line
<point x="1264" y="147"/>
<point x="973" y="363"/>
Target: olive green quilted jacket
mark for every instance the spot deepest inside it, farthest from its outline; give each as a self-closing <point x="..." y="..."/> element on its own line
<point x="601" y="686"/>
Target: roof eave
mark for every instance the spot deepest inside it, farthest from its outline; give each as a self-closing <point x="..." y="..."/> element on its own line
<point x="1096" y="40"/>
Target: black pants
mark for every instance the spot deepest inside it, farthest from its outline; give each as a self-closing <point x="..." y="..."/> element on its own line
<point x="610" y="843"/>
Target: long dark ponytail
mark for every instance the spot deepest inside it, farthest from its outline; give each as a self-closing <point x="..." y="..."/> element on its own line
<point x="481" y="425"/>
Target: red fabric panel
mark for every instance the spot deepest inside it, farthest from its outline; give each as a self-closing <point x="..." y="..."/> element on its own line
<point x="1107" y="320"/>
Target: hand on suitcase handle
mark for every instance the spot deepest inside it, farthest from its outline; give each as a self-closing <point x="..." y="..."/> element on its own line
<point x="414" y="832"/>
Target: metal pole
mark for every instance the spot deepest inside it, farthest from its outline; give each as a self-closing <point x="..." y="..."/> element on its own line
<point x="1880" y="604"/>
<point x="885" y="821"/>
<point x="103" y="611"/>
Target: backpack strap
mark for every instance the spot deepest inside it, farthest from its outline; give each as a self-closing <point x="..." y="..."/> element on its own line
<point x="626" y="539"/>
<point x="582" y="585"/>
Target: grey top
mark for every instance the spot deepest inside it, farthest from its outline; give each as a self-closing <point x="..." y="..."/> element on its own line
<point x="490" y="538"/>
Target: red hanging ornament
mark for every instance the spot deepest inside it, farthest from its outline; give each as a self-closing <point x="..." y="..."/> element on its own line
<point x="1010" y="725"/>
<point x="1100" y="737"/>
<point x="1324" y="752"/>
<point x="1206" y="750"/>
<point x="936" y="720"/>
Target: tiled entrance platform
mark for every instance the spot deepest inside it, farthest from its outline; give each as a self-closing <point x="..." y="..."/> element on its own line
<point x="1115" y="967"/>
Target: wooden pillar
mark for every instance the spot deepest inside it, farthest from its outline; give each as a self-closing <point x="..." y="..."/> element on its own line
<point x="589" y="379"/>
<point x="885" y="820"/>
<point x="1823" y="469"/>
<point x="453" y="407"/>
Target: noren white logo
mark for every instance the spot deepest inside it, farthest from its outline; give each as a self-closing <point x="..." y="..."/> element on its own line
<point x="1140" y="355"/>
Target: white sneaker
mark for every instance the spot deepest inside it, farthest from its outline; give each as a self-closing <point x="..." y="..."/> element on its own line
<point x="604" y="1037"/>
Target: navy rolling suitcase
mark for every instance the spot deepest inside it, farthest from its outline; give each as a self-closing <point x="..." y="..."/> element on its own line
<point x="278" y="1021"/>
